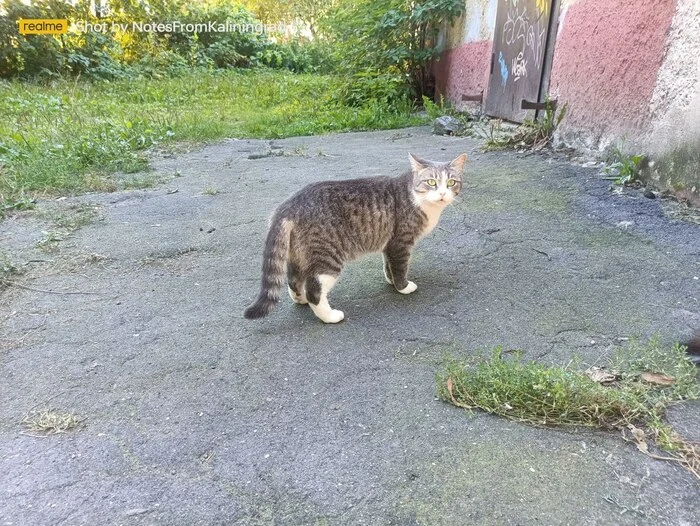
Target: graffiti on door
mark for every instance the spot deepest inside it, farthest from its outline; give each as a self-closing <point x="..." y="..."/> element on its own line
<point x="520" y="39"/>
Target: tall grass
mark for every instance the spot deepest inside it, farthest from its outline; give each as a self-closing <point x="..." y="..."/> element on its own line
<point x="68" y="136"/>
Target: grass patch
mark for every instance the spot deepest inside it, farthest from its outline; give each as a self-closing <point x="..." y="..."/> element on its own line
<point x="49" y="421"/>
<point x="69" y="136"/>
<point x="73" y="217"/>
<point x="631" y="396"/>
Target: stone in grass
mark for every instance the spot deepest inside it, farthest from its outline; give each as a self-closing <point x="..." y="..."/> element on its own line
<point x="447" y="125"/>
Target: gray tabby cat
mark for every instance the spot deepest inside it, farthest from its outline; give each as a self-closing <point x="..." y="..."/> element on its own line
<point x="324" y="225"/>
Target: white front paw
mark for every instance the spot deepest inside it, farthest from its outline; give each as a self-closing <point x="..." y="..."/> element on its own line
<point x="411" y="287"/>
<point x="334" y="316"/>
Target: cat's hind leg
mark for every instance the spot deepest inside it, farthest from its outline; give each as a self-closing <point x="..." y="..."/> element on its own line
<point x="317" y="289"/>
<point x="295" y="284"/>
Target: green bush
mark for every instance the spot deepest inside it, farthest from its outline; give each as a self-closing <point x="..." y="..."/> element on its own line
<point x="33" y="55"/>
<point x="389" y="89"/>
<point x="397" y="37"/>
<point x="300" y="56"/>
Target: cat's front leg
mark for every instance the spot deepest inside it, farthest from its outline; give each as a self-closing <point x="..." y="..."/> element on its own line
<point x="387" y="270"/>
<point x="398" y="255"/>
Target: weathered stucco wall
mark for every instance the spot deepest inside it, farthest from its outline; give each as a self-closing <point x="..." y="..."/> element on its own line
<point x="464" y="66"/>
<point x="606" y="61"/>
<point x="674" y="108"/>
<point x="673" y="137"/>
<point x="629" y="72"/>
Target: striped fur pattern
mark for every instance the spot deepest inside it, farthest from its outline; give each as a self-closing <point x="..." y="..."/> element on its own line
<point x="323" y="226"/>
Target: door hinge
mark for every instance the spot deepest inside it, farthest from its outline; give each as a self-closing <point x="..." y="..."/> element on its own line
<point x="474" y="98"/>
<point x="529" y="105"/>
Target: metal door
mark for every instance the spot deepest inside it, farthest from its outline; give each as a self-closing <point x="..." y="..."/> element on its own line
<point x="518" y="57"/>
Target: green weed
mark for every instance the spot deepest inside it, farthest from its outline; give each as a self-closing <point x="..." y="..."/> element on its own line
<point x="74" y="217"/>
<point x="18" y="202"/>
<point x="536" y="394"/>
<point x="8" y="268"/>
<point x="439" y="108"/>
<point x="624" y="169"/>
<point x="643" y="380"/>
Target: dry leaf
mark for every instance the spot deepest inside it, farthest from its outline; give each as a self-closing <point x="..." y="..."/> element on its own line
<point x="639" y="438"/>
<point x="643" y="447"/>
<point x="657" y="378"/>
<point x="599" y="375"/>
<point x="449" y="390"/>
<point x="452" y="398"/>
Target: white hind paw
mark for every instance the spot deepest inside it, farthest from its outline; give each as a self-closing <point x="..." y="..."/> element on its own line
<point x="411" y="287"/>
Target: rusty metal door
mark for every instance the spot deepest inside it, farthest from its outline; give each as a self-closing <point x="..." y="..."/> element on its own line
<point x="521" y="50"/>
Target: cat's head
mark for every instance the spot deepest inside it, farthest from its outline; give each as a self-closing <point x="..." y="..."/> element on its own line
<point x="434" y="182"/>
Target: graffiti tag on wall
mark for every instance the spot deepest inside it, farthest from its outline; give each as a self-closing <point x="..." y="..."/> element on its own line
<point x="504" y="69"/>
<point x="530" y="31"/>
<point x="519" y="67"/>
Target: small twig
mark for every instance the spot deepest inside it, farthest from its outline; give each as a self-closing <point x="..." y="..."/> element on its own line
<point x="543" y="253"/>
<point x="623" y="509"/>
<point x="15" y="284"/>
<point x="33" y="435"/>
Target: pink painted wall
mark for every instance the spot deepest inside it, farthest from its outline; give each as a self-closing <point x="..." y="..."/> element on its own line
<point x="606" y="61"/>
<point x="463" y="71"/>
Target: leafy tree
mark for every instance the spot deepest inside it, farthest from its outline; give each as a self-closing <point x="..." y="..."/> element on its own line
<point x="311" y="12"/>
<point x="271" y="11"/>
<point x="396" y="37"/>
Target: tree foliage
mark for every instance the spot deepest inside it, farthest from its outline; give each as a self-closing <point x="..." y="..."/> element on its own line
<point x="117" y="53"/>
<point x="397" y="38"/>
<point x="309" y="12"/>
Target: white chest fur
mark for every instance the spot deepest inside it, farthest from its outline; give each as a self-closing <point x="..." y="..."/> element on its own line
<point x="433" y="212"/>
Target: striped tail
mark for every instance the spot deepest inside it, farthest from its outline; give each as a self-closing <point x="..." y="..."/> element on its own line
<point x="273" y="271"/>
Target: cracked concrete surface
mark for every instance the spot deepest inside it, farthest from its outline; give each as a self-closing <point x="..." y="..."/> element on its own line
<point x="194" y="415"/>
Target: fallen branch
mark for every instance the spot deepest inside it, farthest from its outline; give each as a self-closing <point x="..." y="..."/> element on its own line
<point x="25" y="287"/>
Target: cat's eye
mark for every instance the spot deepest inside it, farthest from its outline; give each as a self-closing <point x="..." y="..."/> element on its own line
<point x="451" y="183"/>
<point x="431" y="182"/>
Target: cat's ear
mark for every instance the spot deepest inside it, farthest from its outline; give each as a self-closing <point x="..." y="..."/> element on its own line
<point x="458" y="164"/>
<point x="417" y="164"/>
